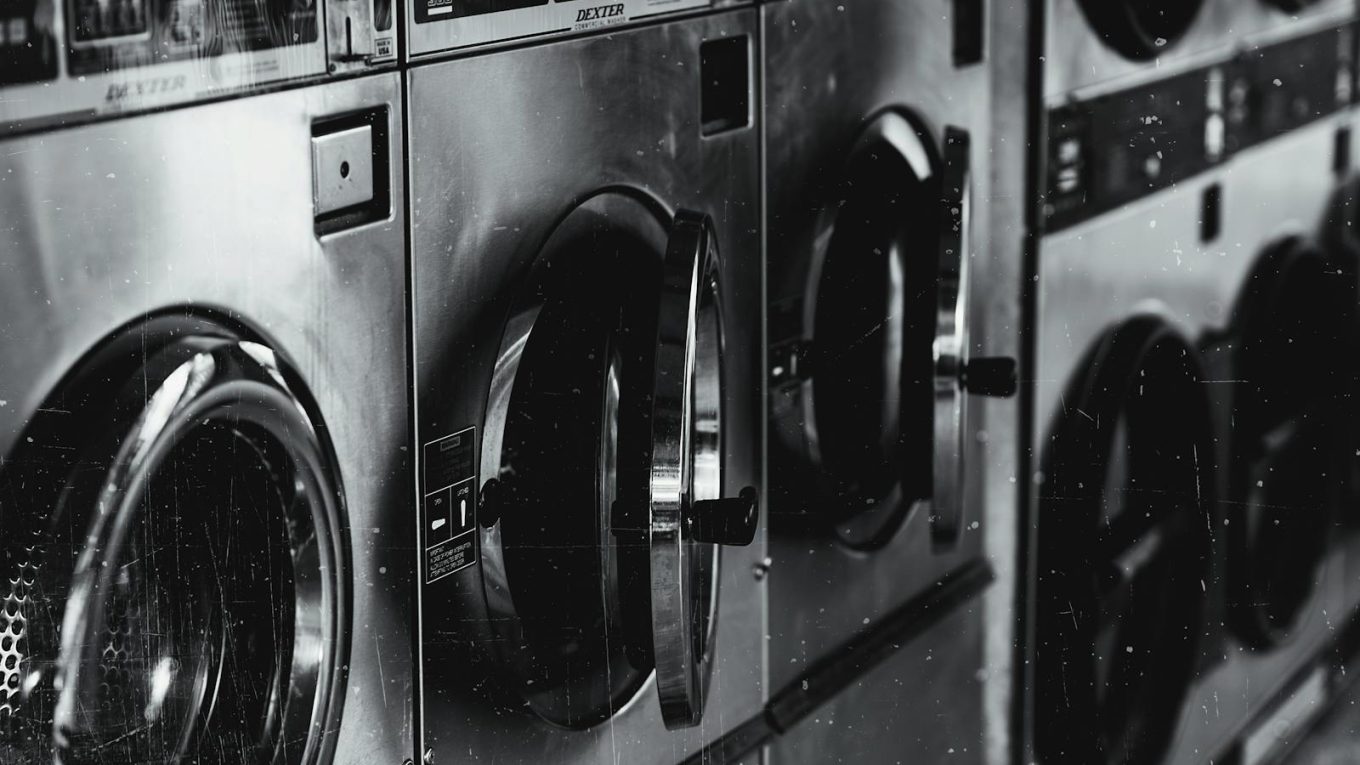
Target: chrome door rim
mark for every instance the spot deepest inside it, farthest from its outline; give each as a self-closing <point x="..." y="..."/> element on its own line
<point x="185" y="385"/>
<point x="687" y="438"/>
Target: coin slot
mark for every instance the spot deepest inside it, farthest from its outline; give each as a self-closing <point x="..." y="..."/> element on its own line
<point x="351" y="170"/>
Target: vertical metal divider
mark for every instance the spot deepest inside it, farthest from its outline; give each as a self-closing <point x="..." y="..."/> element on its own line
<point x="1021" y="704"/>
<point x="416" y="603"/>
<point x="758" y="110"/>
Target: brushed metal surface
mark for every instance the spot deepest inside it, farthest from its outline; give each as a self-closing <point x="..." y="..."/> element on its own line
<point x="503" y="146"/>
<point x="211" y="206"/>
<point x="1077" y="62"/>
<point x="342" y="169"/>
<point x="828" y="68"/>
<point x="1000" y="279"/>
<point x="1148" y="256"/>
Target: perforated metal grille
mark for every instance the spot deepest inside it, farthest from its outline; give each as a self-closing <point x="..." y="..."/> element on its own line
<point x="13" y="635"/>
<point x="117" y="672"/>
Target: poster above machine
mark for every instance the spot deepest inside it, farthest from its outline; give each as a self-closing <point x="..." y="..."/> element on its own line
<point x="75" y="60"/>
<point x="440" y="26"/>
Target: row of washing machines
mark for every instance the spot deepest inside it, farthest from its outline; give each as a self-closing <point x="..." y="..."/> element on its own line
<point x="662" y="381"/>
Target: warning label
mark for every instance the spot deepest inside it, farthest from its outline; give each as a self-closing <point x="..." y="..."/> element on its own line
<point x="450" y="557"/>
<point x="448" y="504"/>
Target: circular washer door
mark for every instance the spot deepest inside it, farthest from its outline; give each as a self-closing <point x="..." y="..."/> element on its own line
<point x="604" y="438"/>
<point x="1122" y="550"/>
<point x="1289" y="323"/>
<point x="174" y="568"/>
<point x="1141" y="29"/>
<point x="1340" y="238"/>
<point x="868" y="394"/>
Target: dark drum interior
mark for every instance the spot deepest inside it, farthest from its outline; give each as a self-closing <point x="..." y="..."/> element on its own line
<point x="191" y="647"/>
<point x="1141" y="29"/>
<point x="573" y="461"/>
<point x="873" y="329"/>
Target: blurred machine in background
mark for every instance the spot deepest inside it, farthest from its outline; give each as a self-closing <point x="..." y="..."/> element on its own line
<point x="587" y="328"/>
<point x="1186" y="573"/>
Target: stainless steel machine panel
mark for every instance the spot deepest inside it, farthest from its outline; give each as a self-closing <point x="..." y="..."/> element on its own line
<point x="65" y="61"/>
<point x="521" y="193"/>
<point x="1079" y="61"/>
<point x="443" y="26"/>
<point x="1151" y="258"/>
<point x="876" y="113"/>
<point x="205" y="216"/>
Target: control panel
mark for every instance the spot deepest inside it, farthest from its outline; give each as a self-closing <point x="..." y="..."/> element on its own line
<point x="1106" y="151"/>
<point x="65" y="61"/>
<point x="439" y="26"/>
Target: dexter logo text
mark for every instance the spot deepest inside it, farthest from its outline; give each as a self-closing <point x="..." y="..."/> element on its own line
<point x="599" y="12"/>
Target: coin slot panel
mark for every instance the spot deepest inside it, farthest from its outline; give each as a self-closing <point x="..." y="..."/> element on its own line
<point x="341" y="175"/>
<point x="725" y="85"/>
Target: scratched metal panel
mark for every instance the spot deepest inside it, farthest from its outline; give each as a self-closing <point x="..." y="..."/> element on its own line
<point x="503" y="146"/>
<point x="211" y="206"/>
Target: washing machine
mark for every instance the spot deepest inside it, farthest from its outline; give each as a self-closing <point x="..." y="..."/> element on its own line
<point x="206" y="545"/>
<point x="1182" y="584"/>
<point x="586" y="292"/>
<point x="878" y="135"/>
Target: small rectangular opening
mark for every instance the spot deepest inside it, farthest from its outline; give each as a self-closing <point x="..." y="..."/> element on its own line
<point x="968" y="32"/>
<point x="725" y="89"/>
<point x="1210" y="213"/>
<point x="1341" y="152"/>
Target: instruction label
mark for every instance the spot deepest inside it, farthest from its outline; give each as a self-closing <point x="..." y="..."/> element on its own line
<point x="448" y="504"/>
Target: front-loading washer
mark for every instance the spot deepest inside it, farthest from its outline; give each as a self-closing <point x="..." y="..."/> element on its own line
<point x="205" y="543"/>
<point x="1179" y="207"/>
<point x="877" y="182"/>
<point x="586" y="295"/>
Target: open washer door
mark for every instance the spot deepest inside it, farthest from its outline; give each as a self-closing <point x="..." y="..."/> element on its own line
<point x="605" y="436"/>
<point x="175" y="579"/>
<point x="870" y="396"/>
<point x="1123" y="550"/>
